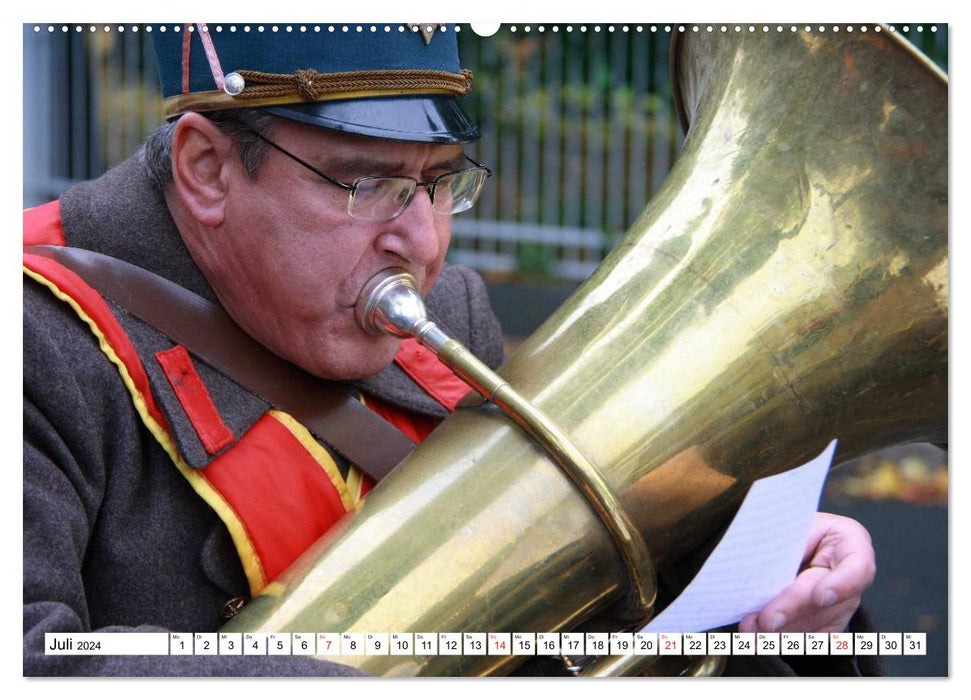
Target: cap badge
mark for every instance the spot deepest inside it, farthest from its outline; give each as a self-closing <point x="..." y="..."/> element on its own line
<point x="428" y="31"/>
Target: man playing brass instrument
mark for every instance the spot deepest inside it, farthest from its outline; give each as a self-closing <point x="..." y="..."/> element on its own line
<point x="161" y="492"/>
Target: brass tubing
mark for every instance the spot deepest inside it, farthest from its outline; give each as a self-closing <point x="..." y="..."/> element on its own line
<point x="609" y="666"/>
<point x="582" y="472"/>
<point x="684" y="666"/>
<point x="631" y="665"/>
<point x="390" y="303"/>
<point x="705" y="666"/>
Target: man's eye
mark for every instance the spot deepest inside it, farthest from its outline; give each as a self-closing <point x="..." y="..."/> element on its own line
<point x="401" y="195"/>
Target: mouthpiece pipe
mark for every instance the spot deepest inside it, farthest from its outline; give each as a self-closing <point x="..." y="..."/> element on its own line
<point x="390" y="303"/>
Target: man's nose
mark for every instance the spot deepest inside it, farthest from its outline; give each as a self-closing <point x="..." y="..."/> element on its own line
<point x="416" y="234"/>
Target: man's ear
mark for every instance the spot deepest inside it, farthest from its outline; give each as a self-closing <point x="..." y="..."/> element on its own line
<point x="202" y="156"/>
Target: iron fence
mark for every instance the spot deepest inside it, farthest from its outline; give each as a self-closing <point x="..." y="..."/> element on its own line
<point x="577" y="121"/>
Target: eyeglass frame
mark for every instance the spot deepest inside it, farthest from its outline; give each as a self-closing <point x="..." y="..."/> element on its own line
<point x="430" y="186"/>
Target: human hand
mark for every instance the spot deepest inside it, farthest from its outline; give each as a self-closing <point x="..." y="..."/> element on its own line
<point x="839" y="564"/>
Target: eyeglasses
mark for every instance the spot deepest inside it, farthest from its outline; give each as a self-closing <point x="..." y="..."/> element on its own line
<point x="381" y="198"/>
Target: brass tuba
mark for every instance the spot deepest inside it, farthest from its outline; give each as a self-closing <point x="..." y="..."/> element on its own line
<point x="788" y="285"/>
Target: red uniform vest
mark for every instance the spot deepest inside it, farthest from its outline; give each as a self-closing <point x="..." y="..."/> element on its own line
<point x="276" y="488"/>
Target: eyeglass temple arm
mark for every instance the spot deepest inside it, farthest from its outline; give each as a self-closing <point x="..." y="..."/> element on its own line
<point x="300" y="160"/>
<point x="478" y="165"/>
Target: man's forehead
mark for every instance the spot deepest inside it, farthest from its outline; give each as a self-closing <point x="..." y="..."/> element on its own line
<point x="355" y="152"/>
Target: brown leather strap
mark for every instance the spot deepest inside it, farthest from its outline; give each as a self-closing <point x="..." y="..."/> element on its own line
<point x="329" y="410"/>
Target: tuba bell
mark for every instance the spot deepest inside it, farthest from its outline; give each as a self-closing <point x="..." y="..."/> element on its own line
<point x="788" y="285"/>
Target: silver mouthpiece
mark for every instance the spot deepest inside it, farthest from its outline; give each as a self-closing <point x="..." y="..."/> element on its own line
<point x="390" y="303"/>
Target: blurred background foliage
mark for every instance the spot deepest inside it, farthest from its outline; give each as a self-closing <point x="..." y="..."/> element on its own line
<point x="578" y="126"/>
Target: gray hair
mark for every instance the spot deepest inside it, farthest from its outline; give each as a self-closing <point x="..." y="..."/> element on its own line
<point x="239" y="124"/>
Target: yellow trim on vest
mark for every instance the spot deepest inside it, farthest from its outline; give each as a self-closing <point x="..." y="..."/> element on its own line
<point x="355" y="484"/>
<point x="274" y="589"/>
<point x="317" y="451"/>
<point x="252" y="566"/>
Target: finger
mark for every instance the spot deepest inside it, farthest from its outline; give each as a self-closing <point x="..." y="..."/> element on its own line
<point x="748" y="623"/>
<point x="833" y="537"/>
<point x="835" y="618"/>
<point x="792" y="606"/>
<point x="852" y="575"/>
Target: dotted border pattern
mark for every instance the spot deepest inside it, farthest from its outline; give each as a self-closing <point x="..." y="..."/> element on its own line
<point x="386" y="28"/>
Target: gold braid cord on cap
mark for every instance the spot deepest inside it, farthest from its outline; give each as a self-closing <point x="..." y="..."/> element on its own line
<point x="310" y="86"/>
<point x="313" y="85"/>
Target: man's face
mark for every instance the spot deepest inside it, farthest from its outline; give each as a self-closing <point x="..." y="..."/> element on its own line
<point x="289" y="262"/>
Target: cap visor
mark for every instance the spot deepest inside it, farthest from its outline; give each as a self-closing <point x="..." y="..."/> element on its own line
<point x="422" y="118"/>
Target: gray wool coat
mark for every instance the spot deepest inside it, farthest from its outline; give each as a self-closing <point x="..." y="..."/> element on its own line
<point x="115" y="539"/>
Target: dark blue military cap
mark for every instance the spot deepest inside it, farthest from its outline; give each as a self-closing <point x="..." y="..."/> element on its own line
<point x="393" y="82"/>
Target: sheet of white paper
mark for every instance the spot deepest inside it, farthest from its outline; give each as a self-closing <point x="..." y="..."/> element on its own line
<point x="758" y="556"/>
